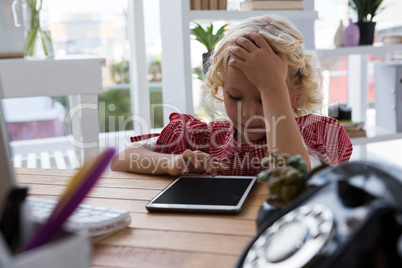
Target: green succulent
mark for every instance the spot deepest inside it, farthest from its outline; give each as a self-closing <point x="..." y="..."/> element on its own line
<point x="286" y="177"/>
<point x="206" y="36"/>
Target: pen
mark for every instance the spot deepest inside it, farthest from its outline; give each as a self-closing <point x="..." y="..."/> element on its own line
<point x="55" y="222"/>
<point x="74" y="184"/>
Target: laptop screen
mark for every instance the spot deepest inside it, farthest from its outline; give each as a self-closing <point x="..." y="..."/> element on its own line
<point x="7" y="176"/>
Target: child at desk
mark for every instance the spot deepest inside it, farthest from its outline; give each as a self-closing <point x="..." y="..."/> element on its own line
<point x="270" y="90"/>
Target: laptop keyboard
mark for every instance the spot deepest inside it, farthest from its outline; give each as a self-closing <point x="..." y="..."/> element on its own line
<point x="88" y="220"/>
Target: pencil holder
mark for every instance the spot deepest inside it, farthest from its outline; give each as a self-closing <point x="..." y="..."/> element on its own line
<point x="66" y="250"/>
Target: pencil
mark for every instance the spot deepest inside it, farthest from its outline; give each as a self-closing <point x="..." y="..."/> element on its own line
<point x="86" y="181"/>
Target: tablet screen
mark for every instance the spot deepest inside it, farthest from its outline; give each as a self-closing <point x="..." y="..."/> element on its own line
<point x="203" y="193"/>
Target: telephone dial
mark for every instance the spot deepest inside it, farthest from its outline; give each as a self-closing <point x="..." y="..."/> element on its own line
<point x="350" y="216"/>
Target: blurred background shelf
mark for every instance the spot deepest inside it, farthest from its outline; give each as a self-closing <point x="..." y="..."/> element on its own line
<point x="377" y="48"/>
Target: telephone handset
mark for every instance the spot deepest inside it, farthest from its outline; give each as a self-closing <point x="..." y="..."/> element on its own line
<point x="351" y="216"/>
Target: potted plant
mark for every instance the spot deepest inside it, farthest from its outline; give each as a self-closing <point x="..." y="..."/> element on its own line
<point x="366" y="11"/>
<point x="208" y="39"/>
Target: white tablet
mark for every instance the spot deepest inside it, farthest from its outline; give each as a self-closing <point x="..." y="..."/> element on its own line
<point x="199" y="193"/>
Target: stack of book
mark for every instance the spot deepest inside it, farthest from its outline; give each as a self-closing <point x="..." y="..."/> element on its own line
<point x="354" y="129"/>
<point x="392" y="39"/>
<point x="208" y="4"/>
<point x="272" y="5"/>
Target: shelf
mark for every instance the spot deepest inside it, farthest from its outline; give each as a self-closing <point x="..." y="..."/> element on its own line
<point x="240" y="15"/>
<point x="377" y="48"/>
<point x="75" y="76"/>
<point x="377" y="134"/>
<point x="70" y="75"/>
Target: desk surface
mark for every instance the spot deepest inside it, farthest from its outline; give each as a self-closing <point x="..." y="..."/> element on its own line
<point x="155" y="239"/>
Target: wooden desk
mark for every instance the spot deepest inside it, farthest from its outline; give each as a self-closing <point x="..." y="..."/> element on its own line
<point x="155" y="239"/>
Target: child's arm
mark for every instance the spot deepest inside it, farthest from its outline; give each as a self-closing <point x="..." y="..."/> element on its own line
<point x="137" y="159"/>
<point x="268" y="72"/>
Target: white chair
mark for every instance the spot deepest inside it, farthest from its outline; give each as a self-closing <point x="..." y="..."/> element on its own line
<point x="79" y="78"/>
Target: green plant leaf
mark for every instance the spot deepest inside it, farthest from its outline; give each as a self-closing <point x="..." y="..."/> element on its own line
<point x="366" y="9"/>
<point x="206" y="36"/>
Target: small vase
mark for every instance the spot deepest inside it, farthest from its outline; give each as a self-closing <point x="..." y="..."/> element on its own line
<point x="338" y="38"/>
<point x="38" y="40"/>
<point x="351" y="35"/>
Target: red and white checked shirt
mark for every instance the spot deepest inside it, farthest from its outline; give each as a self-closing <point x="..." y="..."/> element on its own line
<point x="324" y="136"/>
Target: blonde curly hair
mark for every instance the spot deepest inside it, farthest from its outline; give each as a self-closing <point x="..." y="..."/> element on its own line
<point x="303" y="79"/>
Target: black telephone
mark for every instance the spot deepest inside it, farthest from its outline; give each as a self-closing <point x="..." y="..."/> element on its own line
<point x="351" y="216"/>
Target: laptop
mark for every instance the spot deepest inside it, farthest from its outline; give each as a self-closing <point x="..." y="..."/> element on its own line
<point x="91" y="221"/>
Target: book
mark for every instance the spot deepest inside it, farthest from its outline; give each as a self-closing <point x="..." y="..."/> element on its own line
<point x="204" y="4"/>
<point x="353" y="129"/>
<point x="11" y="55"/>
<point x="356" y="134"/>
<point x="267" y="0"/>
<point x="197" y="4"/>
<point x="213" y="4"/>
<point x="208" y="4"/>
<point x="222" y="4"/>
<point x="272" y="5"/>
<point x="392" y="39"/>
<point x="351" y="126"/>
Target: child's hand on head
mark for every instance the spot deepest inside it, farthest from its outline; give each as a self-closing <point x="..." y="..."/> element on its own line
<point x="196" y="162"/>
<point x="259" y="63"/>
